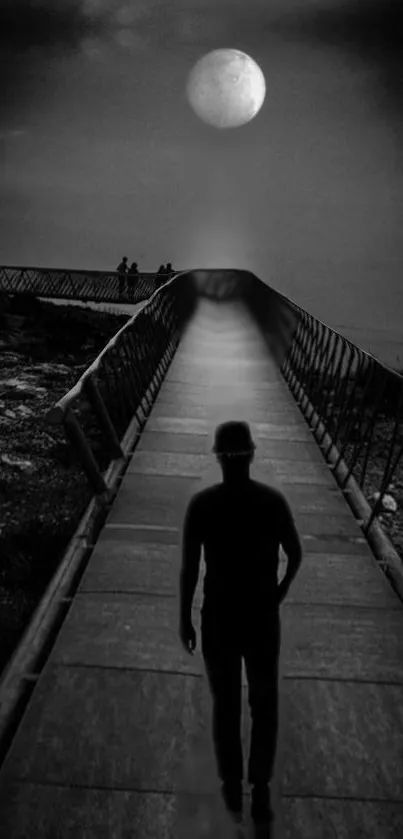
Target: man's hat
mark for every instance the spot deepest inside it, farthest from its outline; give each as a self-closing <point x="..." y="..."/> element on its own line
<point x="233" y="439"/>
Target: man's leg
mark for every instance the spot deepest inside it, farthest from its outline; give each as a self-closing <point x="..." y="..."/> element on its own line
<point x="224" y="672"/>
<point x="261" y="664"/>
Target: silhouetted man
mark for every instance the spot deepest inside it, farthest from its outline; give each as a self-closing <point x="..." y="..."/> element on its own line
<point x="132" y="279"/>
<point x="122" y="269"/>
<point x="169" y="269"/>
<point x="240" y="523"/>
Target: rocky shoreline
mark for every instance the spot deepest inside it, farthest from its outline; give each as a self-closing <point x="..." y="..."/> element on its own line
<point x="44" y="349"/>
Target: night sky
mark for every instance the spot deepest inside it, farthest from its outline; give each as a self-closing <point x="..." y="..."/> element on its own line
<point x="104" y="156"/>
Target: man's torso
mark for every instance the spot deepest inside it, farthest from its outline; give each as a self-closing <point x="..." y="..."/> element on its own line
<point x="241" y="537"/>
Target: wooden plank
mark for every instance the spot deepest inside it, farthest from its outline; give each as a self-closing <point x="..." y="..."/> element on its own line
<point x="307" y="499"/>
<point x="170" y="513"/>
<point x="306" y="817"/>
<point x="157" y="441"/>
<point x="217" y="378"/>
<point x="196" y="465"/>
<point x="233" y="410"/>
<point x="133" y="567"/>
<point x="119" y="729"/>
<point x="342" y="642"/>
<point x="274" y="410"/>
<point x="63" y="812"/>
<point x="128" y="565"/>
<point x="327" y="526"/>
<point x="144" y="534"/>
<point x="172" y="389"/>
<point x="230" y="358"/>
<point x="341" y="544"/>
<point x="174" y="425"/>
<point x="149" y="500"/>
<point x="342" y="580"/>
<point x="141" y="631"/>
<point x="162" y="499"/>
<point x="255" y="378"/>
<point x="343" y="739"/>
<point x="135" y="631"/>
<point x="271" y="398"/>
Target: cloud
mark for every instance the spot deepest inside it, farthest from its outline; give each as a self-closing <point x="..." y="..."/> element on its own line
<point x="10" y="133"/>
<point x="130" y="40"/>
<point x="370" y="29"/>
<point x="366" y="24"/>
<point x="44" y="23"/>
<point x="31" y="31"/>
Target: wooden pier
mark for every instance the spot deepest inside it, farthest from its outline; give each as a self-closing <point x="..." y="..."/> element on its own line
<point x="116" y="739"/>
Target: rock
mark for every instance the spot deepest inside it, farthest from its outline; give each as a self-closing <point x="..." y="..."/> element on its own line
<point x="25" y="411"/>
<point x="388" y="502"/>
<point x="17" y="383"/>
<point x="46" y="367"/>
<point x="18" y="462"/>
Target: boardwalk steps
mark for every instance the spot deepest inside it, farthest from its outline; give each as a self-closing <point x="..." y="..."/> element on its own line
<point x="116" y="739"/>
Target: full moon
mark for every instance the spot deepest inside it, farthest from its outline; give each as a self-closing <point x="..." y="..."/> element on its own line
<point x="226" y="88"/>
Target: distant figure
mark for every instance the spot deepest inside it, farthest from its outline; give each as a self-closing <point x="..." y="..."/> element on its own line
<point x="169" y="269"/>
<point x="241" y="523"/>
<point x="132" y="279"/>
<point x="122" y="269"/>
<point x="161" y="275"/>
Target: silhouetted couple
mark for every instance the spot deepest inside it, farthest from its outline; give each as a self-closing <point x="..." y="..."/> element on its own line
<point x="130" y="274"/>
<point x="240" y="523"/>
<point x="163" y="273"/>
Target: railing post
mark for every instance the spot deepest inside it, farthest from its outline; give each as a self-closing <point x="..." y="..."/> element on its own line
<point x="102" y="414"/>
<point x="75" y="433"/>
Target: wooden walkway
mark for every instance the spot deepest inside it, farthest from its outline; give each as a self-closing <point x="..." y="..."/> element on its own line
<point x="116" y="741"/>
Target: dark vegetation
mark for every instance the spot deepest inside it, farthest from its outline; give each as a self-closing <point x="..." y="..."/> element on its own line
<point x="44" y="349"/>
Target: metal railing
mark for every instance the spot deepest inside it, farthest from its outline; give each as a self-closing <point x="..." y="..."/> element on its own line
<point x="355" y="399"/>
<point x="91" y="286"/>
<point x="353" y="402"/>
<point x="121" y="383"/>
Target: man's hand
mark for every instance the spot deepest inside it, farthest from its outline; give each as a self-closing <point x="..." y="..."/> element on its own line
<point x="280" y="594"/>
<point x="188" y="636"/>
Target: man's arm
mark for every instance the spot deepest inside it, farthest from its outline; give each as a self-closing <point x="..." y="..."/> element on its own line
<point x="191" y="550"/>
<point x="290" y="541"/>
